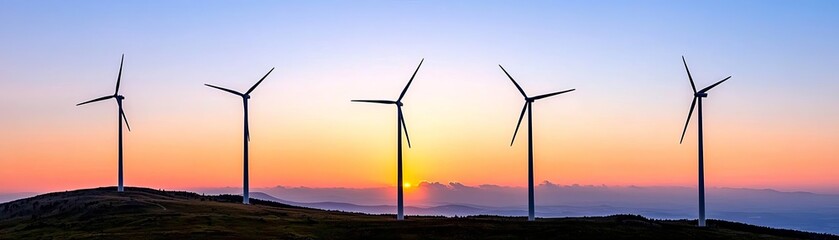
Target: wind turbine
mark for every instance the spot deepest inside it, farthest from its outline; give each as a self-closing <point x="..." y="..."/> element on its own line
<point x="400" y="124"/>
<point x="528" y="101"/>
<point x="120" y="118"/>
<point x="245" y="96"/>
<point x="697" y="97"/>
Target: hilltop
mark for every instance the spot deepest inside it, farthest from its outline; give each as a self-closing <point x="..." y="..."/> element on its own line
<point x="142" y="213"/>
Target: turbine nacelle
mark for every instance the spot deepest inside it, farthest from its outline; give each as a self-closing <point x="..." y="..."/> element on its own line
<point x="119" y="97"/>
<point x="398" y="103"/>
<point x="697" y="96"/>
<point x="245" y="95"/>
<point x="527" y="100"/>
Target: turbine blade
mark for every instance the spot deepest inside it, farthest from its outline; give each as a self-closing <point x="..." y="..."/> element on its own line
<point x="375" y="101"/>
<point x="692" y="105"/>
<point x="260" y="81"/>
<point x="519" y="124"/>
<point x="514" y="81"/>
<point x="95" y="100"/>
<point x="551" y="94"/>
<point x="224" y="89"/>
<point x="713" y="85"/>
<point x="121" y="112"/>
<point x="120" y="74"/>
<point x="692" y="85"/>
<point x="405" y="127"/>
<point x="409" y="81"/>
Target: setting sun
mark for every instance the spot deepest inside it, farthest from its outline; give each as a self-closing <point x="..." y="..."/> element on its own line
<point x="407" y="185"/>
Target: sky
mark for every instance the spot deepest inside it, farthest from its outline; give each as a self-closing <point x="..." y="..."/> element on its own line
<point x="772" y="125"/>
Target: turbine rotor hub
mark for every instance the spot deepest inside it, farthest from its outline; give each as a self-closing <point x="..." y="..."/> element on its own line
<point x="119" y="97"/>
<point x="700" y="94"/>
<point x="399" y="104"/>
<point x="246" y="96"/>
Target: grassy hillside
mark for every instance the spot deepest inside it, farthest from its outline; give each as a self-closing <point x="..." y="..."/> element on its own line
<point x="142" y="213"/>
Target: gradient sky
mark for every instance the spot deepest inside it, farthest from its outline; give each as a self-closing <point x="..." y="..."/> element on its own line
<point x="773" y="125"/>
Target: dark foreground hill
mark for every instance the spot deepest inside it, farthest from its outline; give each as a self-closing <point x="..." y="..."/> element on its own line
<point x="141" y="213"/>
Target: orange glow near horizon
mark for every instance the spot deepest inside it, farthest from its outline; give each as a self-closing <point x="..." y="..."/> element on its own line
<point x="358" y="151"/>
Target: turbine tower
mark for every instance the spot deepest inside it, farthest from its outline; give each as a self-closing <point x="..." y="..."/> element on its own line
<point x="120" y="118"/>
<point x="697" y="98"/>
<point x="528" y="101"/>
<point x="400" y="125"/>
<point x="245" y="96"/>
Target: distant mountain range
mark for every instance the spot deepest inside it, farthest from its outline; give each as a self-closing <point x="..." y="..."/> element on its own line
<point x="443" y="210"/>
